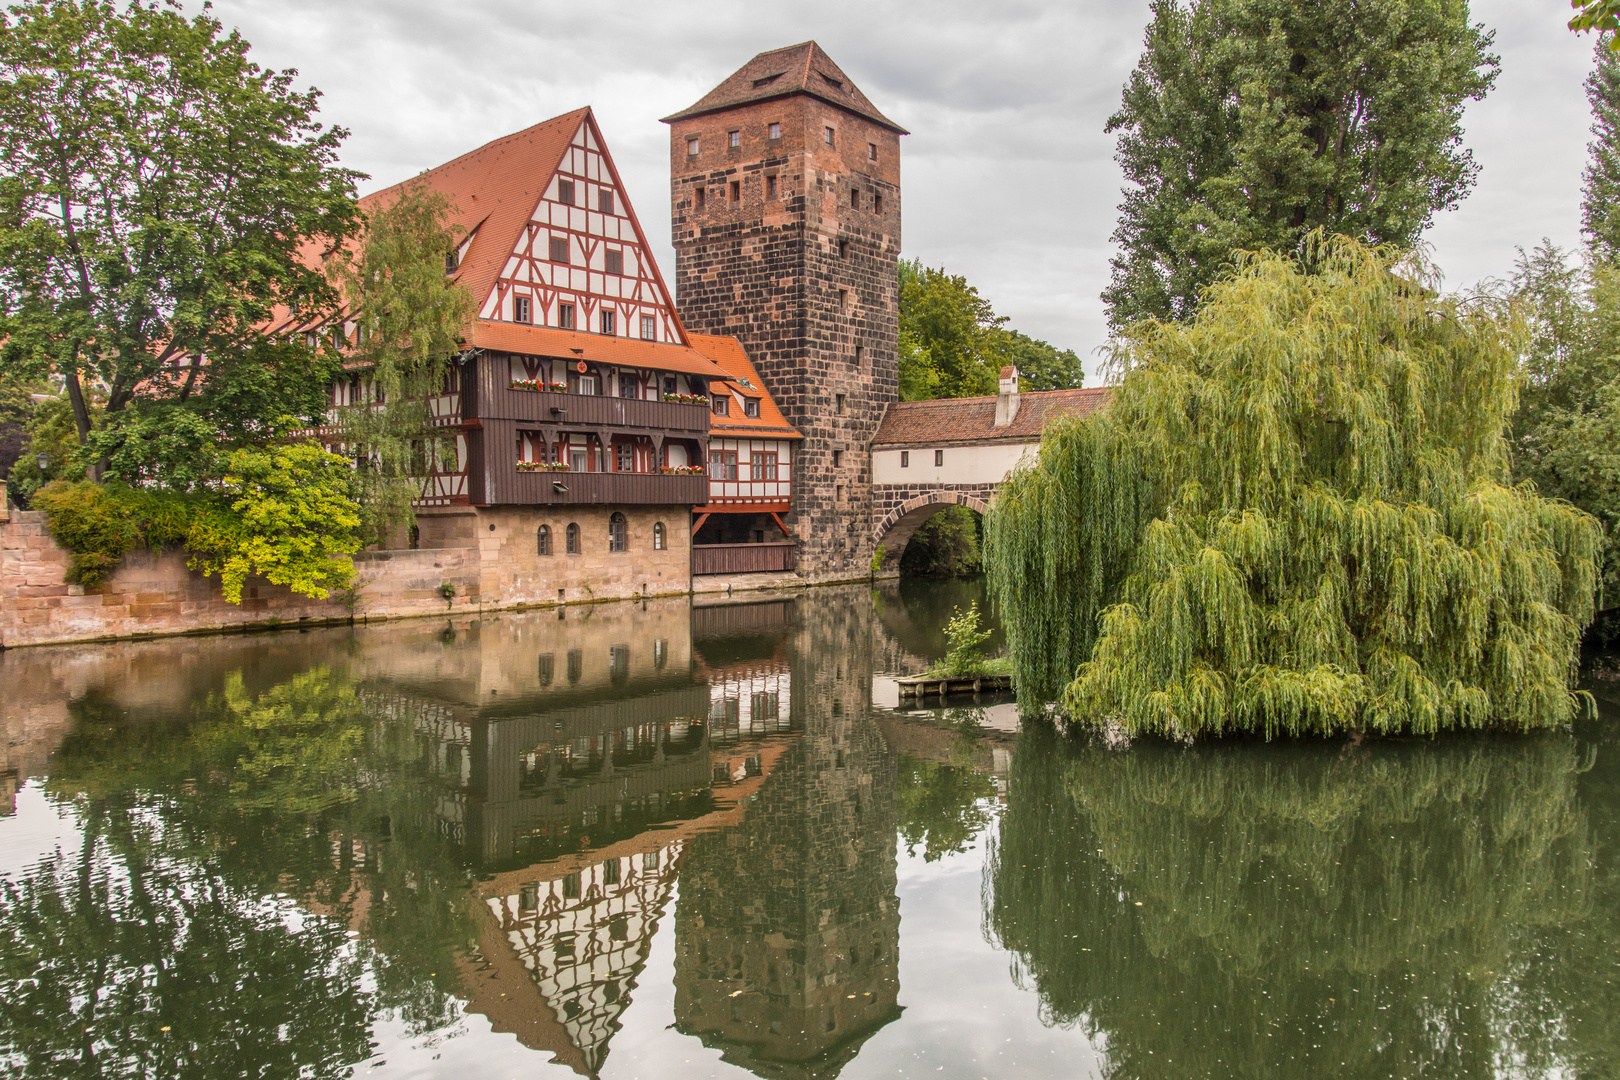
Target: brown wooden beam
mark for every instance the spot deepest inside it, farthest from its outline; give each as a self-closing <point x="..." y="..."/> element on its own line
<point x="780" y="524"/>
<point x="698" y="524"/>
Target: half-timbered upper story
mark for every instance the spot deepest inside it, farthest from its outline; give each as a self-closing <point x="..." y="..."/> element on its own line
<point x="578" y="383"/>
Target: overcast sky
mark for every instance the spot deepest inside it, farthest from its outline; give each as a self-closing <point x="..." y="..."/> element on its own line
<point x="1008" y="177"/>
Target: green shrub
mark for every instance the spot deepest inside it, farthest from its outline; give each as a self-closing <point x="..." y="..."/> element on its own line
<point x="100" y="523"/>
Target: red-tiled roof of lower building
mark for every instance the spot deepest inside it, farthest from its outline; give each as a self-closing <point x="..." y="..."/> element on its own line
<point x="593" y="348"/>
<point x="797" y="69"/>
<point x="959" y="420"/>
<point x="729" y="355"/>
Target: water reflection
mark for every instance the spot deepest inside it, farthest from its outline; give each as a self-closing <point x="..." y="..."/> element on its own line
<point x="787" y="934"/>
<point x="1288" y="911"/>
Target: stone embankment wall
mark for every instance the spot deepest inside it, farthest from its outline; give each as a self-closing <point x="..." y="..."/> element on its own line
<point x="152" y="595"/>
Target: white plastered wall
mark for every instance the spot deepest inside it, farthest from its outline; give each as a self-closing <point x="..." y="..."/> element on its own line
<point x="986" y="464"/>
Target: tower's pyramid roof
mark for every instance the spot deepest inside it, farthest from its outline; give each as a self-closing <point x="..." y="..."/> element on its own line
<point x="797" y="69"/>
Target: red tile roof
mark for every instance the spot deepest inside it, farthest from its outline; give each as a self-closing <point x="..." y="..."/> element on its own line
<point x="959" y="420"/>
<point x="797" y="69"/>
<point x="494" y="189"/>
<point x="597" y="348"/>
<point x="728" y="353"/>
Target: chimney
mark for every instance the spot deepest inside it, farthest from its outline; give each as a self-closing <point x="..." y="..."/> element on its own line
<point x="1007" y="398"/>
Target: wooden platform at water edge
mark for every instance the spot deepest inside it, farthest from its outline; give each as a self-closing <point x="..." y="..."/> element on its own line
<point x="919" y="686"/>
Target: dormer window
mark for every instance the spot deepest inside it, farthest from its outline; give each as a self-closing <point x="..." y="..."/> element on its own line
<point x="452" y="259"/>
<point x="721" y="405"/>
<point x="751" y="407"/>
<point x="836" y="84"/>
<point x="565" y="192"/>
<point x="766" y="80"/>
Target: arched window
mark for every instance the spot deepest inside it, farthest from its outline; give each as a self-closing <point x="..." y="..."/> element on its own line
<point x="658" y="536"/>
<point x="543" y="540"/>
<point x="573" y="538"/>
<point x="618" y="533"/>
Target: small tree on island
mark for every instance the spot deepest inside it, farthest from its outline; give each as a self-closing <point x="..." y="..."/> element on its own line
<point x="1296" y="518"/>
<point x="966" y="640"/>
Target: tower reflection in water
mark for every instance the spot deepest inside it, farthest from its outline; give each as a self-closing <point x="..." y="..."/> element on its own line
<point x="757" y="778"/>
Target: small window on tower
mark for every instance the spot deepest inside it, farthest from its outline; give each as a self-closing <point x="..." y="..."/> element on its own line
<point x="559" y="249"/>
<point x="770" y="187"/>
<point x="860" y="355"/>
<point x="604" y="201"/>
<point x="736" y="191"/>
<point x="871" y="151"/>
<point x="751" y="407"/>
<point x="565" y="316"/>
<point x="698" y="194"/>
<point x="843" y="249"/>
<point x="565" y="192"/>
<point x="609" y="324"/>
<point x="649" y="330"/>
<point x="520" y="310"/>
<point x="838" y="496"/>
<point x="838" y="459"/>
<point x="843" y="299"/>
<point x="776" y="131"/>
<point x="692" y="145"/>
<point x="905" y="459"/>
<point x="939" y="458"/>
<point x="827" y="136"/>
<point x="855" y="198"/>
<point x="734" y="139"/>
<point x="613" y="261"/>
<point x="838" y="406"/>
<point x="877" y="203"/>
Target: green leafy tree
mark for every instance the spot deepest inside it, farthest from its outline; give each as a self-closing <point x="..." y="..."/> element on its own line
<point x="952" y="341"/>
<point x="1042" y="366"/>
<point x="1296" y="517"/>
<point x="966" y="638"/>
<point x="292" y="518"/>
<point x="1600" y="15"/>
<point x="1601" y="188"/>
<point x="159" y="195"/>
<point x="1249" y="123"/>
<point x="1566" y="433"/>
<point x="413" y="318"/>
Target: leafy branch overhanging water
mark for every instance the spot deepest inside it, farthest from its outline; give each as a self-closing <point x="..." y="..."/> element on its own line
<point x="1295" y="517"/>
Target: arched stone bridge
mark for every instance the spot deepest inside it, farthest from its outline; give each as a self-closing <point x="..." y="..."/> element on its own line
<point x="928" y="455"/>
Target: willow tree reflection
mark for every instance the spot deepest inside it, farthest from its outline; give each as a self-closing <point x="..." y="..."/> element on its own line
<point x="1288" y="911"/>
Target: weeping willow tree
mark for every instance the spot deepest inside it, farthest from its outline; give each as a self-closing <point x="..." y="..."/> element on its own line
<point x="412" y="318"/>
<point x="1295" y="517"/>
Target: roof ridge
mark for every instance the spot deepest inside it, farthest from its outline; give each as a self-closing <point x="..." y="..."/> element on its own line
<point x="580" y="112"/>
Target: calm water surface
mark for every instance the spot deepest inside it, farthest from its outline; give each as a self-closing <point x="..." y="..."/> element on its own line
<point x="671" y="842"/>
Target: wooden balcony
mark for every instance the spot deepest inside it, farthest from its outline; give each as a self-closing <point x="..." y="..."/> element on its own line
<point x="581" y="410"/>
<point x="741" y="558"/>
<point x="507" y="486"/>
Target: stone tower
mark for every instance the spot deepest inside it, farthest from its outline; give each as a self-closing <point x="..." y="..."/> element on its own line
<point x="785" y="207"/>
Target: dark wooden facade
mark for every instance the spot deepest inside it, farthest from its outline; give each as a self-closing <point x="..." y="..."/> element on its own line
<point x="741" y="558"/>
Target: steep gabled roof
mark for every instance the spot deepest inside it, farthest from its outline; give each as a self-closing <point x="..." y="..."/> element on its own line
<point x="953" y="421"/>
<point x="728" y="354"/>
<point x="797" y="69"/>
<point x="494" y="189"/>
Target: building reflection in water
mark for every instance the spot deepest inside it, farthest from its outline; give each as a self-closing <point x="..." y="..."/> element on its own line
<point x="787" y="933"/>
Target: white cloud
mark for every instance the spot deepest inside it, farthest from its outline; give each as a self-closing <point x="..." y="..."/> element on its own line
<point x="1008" y="176"/>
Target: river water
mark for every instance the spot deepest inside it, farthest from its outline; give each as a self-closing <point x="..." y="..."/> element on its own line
<point x="663" y="841"/>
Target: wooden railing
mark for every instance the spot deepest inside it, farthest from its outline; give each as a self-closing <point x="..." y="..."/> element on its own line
<point x="575" y="410"/>
<point x="575" y="488"/>
<point x="741" y="558"/>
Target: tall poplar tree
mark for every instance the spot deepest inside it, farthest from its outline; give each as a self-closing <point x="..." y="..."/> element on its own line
<point x="1600" y="198"/>
<point x="1249" y="123"/>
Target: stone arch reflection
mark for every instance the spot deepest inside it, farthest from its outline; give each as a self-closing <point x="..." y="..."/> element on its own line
<point x="1290" y="911"/>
